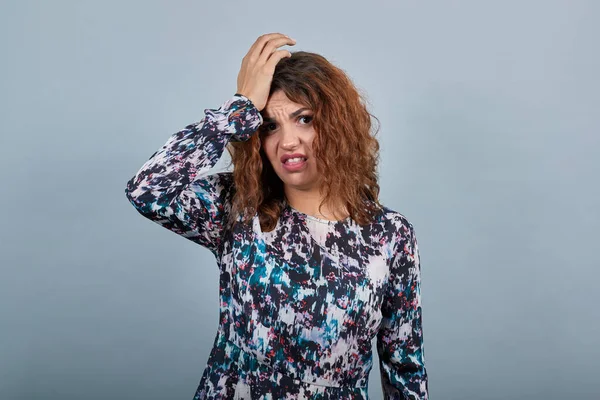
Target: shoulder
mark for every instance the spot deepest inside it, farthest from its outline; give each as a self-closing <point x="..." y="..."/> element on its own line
<point x="397" y="220"/>
<point x="400" y="229"/>
<point x="403" y="247"/>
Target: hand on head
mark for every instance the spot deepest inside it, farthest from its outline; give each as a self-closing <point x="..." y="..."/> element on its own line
<point x="258" y="66"/>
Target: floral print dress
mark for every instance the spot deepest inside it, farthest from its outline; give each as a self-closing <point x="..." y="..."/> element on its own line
<point x="300" y="305"/>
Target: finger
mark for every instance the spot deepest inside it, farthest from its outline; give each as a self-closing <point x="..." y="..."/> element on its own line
<point x="258" y="46"/>
<point x="274" y="59"/>
<point x="273" y="45"/>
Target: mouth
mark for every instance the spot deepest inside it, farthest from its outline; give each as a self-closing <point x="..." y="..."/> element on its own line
<point x="293" y="162"/>
<point x="293" y="158"/>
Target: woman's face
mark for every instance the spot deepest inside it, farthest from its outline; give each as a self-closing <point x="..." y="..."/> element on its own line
<point x="287" y="129"/>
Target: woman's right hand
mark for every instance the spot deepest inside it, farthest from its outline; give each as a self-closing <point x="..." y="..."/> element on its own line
<point x="258" y="66"/>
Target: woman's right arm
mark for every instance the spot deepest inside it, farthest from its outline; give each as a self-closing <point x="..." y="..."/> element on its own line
<point x="172" y="187"/>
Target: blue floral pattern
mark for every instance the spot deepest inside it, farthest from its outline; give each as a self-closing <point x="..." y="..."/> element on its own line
<point x="300" y="305"/>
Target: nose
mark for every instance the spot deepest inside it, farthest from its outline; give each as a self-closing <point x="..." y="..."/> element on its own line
<point x="289" y="137"/>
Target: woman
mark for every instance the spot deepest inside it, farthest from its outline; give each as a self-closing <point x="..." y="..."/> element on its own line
<point x="312" y="266"/>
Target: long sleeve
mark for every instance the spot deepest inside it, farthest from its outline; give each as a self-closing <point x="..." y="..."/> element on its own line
<point x="173" y="188"/>
<point x="400" y="338"/>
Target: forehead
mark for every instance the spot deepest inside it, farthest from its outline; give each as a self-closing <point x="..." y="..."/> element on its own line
<point x="280" y="103"/>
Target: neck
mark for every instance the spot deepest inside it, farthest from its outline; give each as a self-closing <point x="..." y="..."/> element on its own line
<point x="308" y="202"/>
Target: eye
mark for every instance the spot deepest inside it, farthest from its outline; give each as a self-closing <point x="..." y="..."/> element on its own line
<point x="265" y="129"/>
<point x="308" y="118"/>
<point x="269" y="127"/>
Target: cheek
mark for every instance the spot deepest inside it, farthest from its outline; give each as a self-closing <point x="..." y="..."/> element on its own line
<point x="269" y="147"/>
<point x="310" y="140"/>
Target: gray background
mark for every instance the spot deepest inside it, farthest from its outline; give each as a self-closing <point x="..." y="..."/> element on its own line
<point x="490" y="146"/>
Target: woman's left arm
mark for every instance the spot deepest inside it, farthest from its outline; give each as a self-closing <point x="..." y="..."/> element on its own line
<point x="400" y="337"/>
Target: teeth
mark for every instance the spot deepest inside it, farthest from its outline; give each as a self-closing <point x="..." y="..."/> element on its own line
<point x="294" y="160"/>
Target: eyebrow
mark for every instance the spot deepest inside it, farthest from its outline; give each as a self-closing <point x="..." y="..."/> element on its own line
<point x="292" y="115"/>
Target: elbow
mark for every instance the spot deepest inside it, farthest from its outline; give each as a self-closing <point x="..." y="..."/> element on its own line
<point x="132" y="191"/>
<point x="139" y="198"/>
<point x="150" y="202"/>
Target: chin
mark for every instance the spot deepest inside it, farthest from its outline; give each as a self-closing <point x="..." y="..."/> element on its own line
<point x="303" y="180"/>
<point x="300" y="183"/>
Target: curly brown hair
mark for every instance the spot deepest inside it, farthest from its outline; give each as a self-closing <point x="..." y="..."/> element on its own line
<point x="346" y="150"/>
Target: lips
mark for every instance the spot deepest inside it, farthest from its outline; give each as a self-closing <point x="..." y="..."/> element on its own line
<point x="286" y="157"/>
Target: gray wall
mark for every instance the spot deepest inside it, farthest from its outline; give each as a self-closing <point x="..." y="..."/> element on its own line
<point x="490" y="146"/>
